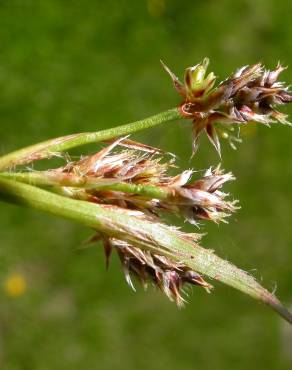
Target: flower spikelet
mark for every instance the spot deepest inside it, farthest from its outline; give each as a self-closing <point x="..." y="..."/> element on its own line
<point x="148" y="266"/>
<point x="251" y="94"/>
<point x="136" y="181"/>
<point x="139" y="179"/>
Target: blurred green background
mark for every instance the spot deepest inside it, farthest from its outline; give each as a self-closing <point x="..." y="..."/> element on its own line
<point x="70" y="66"/>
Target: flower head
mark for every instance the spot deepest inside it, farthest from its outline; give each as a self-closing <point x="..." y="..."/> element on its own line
<point x="249" y="95"/>
<point x="135" y="181"/>
<point x="139" y="179"/>
<point x="15" y="285"/>
<point x="152" y="268"/>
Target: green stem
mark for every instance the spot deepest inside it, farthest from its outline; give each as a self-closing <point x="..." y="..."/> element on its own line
<point x="156" y="236"/>
<point x="52" y="178"/>
<point x="48" y="148"/>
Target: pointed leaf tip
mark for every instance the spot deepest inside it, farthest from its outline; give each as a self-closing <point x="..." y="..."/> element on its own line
<point x="277" y="306"/>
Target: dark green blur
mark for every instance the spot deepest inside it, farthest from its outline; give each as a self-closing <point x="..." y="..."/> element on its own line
<point x="70" y="66"/>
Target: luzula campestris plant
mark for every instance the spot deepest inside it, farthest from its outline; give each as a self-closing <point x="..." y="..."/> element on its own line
<point x="124" y="190"/>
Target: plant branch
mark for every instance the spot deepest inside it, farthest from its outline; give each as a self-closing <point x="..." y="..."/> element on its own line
<point x="157" y="237"/>
<point x="51" y="147"/>
<point x="52" y="178"/>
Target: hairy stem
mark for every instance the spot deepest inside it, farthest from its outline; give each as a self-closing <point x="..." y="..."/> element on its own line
<point x="50" y="147"/>
<point x="164" y="241"/>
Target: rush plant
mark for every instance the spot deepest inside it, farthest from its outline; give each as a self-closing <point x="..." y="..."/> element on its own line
<point x="124" y="190"/>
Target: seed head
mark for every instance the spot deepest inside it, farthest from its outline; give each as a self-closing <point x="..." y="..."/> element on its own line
<point x="249" y="95"/>
<point x="136" y="181"/>
<point x="150" y="268"/>
<point x="139" y="179"/>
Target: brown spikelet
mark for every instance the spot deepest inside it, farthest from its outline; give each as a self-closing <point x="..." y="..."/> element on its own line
<point x="250" y="94"/>
<point x="122" y="178"/>
<point x="140" y="168"/>
<point x="154" y="269"/>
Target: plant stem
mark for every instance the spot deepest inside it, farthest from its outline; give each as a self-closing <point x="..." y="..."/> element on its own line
<point x="50" y="147"/>
<point x="157" y="237"/>
<point x="51" y="178"/>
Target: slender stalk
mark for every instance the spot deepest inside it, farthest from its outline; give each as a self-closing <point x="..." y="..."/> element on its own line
<point x="51" y="178"/>
<point x="50" y="147"/>
<point x="164" y="240"/>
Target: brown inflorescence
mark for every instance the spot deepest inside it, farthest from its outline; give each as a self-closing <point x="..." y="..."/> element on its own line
<point x="139" y="179"/>
<point x="151" y="268"/>
<point x="136" y="180"/>
<point x="249" y="95"/>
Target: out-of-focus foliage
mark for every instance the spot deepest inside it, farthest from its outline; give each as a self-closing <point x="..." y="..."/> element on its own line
<point x="77" y="66"/>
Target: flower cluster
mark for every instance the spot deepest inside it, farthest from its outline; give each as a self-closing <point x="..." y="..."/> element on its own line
<point x="136" y="181"/>
<point x="250" y="94"/>
<point x="152" y="268"/>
